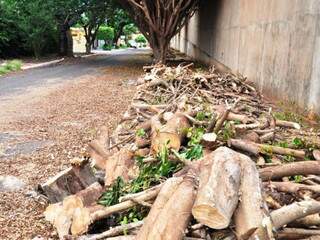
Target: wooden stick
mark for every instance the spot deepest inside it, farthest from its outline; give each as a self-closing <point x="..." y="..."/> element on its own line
<point x="267" y="137"/>
<point x="290" y="169"/>
<point x="248" y="126"/>
<point x="221" y="120"/>
<point x="232" y="116"/>
<point x="294" y="211"/>
<point x="308" y="221"/>
<point x="294" y="188"/>
<point x="107" y="211"/>
<point x="151" y="108"/>
<point x="282" y="123"/>
<point x="139" y="194"/>
<point x="112" y="232"/>
<point x="255" y="148"/>
<point x="298" y="233"/>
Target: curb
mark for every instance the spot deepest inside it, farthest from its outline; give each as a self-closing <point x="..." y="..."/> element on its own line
<point x="42" y="64"/>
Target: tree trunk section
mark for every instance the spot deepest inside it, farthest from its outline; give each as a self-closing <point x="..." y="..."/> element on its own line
<point x="65" y="40"/>
<point x="169" y="135"/>
<point x="118" y="33"/>
<point x="88" y="47"/>
<point x="68" y="182"/>
<point x="172" y="219"/>
<point x="121" y="164"/>
<point x="250" y="212"/>
<point x="169" y="187"/>
<point x="217" y="197"/>
<point x="69" y="43"/>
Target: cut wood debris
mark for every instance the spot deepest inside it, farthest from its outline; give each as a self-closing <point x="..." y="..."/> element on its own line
<point x="198" y="155"/>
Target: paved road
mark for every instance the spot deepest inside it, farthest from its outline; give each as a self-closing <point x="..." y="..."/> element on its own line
<point x="16" y="84"/>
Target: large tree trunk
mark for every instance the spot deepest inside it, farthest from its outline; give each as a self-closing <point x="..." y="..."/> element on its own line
<point x="65" y="40"/>
<point x="118" y="33"/>
<point x="160" y="46"/>
<point x="88" y="47"/>
<point x="159" y="21"/>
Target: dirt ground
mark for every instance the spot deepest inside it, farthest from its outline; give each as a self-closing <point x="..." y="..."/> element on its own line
<point x="61" y="123"/>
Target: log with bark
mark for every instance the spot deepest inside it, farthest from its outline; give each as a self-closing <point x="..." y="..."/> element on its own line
<point x="298" y="233"/>
<point x="68" y="182"/>
<point x="171" y="212"/>
<point x="294" y="211"/>
<point x="62" y="214"/>
<point x="255" y="148"/>
<point x="290" y="169"/>
<point x="219" y="183"/>
<point x="170" y="135"/>
<point x="252" y="208"/>
<point x="121" y="164"/>
<point x="98" y="149"/>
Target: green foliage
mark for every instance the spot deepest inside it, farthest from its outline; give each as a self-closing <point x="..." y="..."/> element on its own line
<point x="141" y="132"/>
<point x="123" y="46"/>
<point x="296" y="178"/>
<point x="92" y="18"/>
<point x="227" y="131"/>
<point x="105" y="33"/>
<point x="289" y="159"/>
<point x="282" y="144"/>
<point x="288" y="116"/>
<point x="13" y="65"/>
<point x="140" y="39"/>
<point x="195" y="149"/>
<point x="149" y="174"/>
<point x="195" y="135"/>
<point x="130" y="29"/>
<point x="112" y="196"/>
<point x="298" y="143"/>
<point x="202" y="116"/>
<point x="118" y="19"/>
<point x="107" y="47"/>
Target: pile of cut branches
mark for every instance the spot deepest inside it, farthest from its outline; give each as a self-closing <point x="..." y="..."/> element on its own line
<point x="197" y="155"/>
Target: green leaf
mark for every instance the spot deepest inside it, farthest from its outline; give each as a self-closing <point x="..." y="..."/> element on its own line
<point x="141" y="132"/>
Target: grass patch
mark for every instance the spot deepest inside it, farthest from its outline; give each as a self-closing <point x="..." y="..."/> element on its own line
<point x="10" y="66"/>
<point x="288" y="116"/>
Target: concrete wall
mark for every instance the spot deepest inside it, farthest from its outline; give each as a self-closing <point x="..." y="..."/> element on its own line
<point x="275" y="43"/>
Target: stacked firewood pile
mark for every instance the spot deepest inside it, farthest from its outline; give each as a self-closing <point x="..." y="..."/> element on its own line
<point x="198" y="155"/>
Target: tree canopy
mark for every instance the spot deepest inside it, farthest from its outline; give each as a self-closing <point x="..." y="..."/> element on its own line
<point x="35" y="26"/>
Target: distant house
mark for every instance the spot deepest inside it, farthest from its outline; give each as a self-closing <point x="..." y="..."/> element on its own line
<point x="79" y="40"/>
